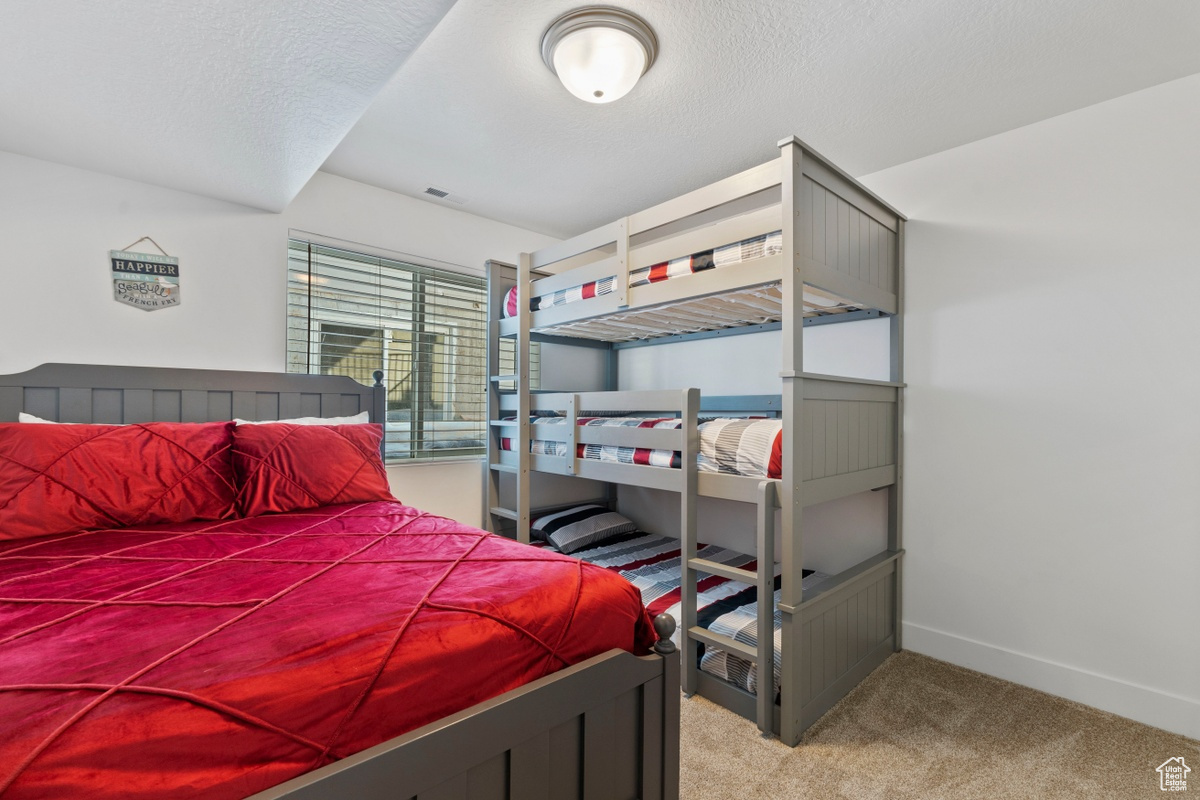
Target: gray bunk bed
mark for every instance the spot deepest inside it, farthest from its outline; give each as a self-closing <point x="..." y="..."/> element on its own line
<point x="840" y="258"/>
<point x="528" y="742"/>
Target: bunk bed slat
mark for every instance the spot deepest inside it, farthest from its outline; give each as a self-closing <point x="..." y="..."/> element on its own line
<point x="644" y="402"/>
<point x="723" y="570"/>
<point x="708" y="283"/>
<point x="652" y="438"/>
<point x="636" y="474"/>
<point x="724" y="642"/>
<point x="595" y="271"/>
<point x="728" y="231"/>
<point x="548" y="318"/>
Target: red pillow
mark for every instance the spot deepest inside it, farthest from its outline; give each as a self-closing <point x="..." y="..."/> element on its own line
<point x="775" y="465"/>
<point x="284" y="467"/>
<point x="63" y="478"/>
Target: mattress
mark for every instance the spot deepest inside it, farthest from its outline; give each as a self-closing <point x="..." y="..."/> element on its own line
<point x="735" y="446"/>
<point x="727" y="255"/>
<point x="216" y="659"/>
<point x="652" y="564"/>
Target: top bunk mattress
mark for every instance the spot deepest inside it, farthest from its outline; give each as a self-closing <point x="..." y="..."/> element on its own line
<point x="216" y="659"/>
<point x="729" y="255"/>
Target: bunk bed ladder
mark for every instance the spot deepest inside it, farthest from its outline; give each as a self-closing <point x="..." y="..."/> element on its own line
<point x="763" y="578"/>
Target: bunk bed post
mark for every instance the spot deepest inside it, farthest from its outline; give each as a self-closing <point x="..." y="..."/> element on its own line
<point x="612" y="382"/>
<point x="768" y="501"/>
<point x="689" y="410"/>
<point x="791" y="501"/>
<point x="621" y="285"/>
<point x="524" y="294"/>
<point x="573" y="428"/>
<point x="896" y="492"/>
<point x="496" y="290"/>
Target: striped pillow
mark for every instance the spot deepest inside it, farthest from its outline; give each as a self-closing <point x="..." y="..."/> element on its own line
<point x="579" y="527"/>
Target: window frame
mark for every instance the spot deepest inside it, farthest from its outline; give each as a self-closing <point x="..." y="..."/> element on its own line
<point x="417" y="450"/>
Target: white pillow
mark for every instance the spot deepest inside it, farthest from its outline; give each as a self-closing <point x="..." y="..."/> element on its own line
<point x="23" y="417"/>
<point x="362" y="416"/>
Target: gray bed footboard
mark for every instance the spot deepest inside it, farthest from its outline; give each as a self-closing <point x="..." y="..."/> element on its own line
<point x="605" y="728"/>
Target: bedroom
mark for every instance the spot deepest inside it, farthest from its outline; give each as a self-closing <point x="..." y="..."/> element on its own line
<point x="1050" y="515"/>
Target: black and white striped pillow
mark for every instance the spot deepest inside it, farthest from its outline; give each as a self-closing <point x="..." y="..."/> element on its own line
<point x="579" y="527"/>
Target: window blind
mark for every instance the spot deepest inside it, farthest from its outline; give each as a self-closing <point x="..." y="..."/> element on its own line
<point x="352" y="313"/>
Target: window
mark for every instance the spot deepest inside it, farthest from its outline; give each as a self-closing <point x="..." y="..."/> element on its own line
<point x="351" y="313"/>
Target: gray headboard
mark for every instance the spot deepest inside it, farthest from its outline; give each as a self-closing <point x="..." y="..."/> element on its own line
<point x="93" y="393"/>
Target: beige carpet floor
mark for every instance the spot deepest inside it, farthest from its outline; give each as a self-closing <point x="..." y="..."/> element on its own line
<point x="921" y="728"/>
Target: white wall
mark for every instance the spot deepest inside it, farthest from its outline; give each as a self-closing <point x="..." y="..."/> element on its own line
<point x="750" y="364"/>
<point x="1052" y="506"/>
<point x="58" y="224"/>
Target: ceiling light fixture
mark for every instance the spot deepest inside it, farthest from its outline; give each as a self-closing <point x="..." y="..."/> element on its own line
<point x="599" y="52"/>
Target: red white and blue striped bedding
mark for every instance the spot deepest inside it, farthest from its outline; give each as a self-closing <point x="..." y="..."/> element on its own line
<point x="727" y="255"/>
<point x="734" y="446"/>
<point x="652" y="564"/>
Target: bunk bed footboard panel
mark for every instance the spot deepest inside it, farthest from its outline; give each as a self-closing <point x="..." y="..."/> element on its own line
<point x="851" y="240"/>
<point x="848" y="437"/>
<point x="845" y="632"/>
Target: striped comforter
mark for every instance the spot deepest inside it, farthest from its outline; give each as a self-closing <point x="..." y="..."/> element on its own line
<point x="735" y="446"/>
<point x="652" y="564"/>
<point x="746" y="250"/>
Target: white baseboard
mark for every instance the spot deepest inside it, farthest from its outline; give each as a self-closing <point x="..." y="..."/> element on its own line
<point x="1141" y="703"/>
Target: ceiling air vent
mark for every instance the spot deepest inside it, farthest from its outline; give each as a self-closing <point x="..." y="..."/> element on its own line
<point x="442" y="194"/>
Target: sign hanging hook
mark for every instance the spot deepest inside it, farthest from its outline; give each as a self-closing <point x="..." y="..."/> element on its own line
<point x="151" y="241"/>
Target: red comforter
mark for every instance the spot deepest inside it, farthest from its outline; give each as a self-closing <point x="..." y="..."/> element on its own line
<point x="217" y="659"/>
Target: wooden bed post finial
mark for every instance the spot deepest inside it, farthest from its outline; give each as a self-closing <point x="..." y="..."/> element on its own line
<point x="664" y="626"/>
<point x="378" y="376"/>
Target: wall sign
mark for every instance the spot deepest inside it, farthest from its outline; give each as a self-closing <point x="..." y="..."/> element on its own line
<point x="145" y="280"/>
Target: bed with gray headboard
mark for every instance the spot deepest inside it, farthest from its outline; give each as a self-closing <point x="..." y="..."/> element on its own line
<point x="605" y="727"/>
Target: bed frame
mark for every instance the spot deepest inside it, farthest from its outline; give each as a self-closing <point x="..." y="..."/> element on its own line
<point x="605" y="728"/>
<point x="841" y="246"/>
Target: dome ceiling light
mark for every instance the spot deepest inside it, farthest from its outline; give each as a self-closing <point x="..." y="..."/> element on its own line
<point x="599" y="52"/>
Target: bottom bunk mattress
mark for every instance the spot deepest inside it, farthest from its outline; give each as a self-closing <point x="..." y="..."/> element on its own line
<point x="747" y="446"/>
<point x="214" y="660"/>
<point x="653" y="565"/>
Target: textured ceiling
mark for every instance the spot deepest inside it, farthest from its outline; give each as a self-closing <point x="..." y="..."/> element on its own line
<point x="236" y="99"/>
<point x="871" y="84"/>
